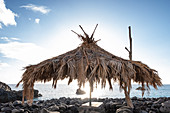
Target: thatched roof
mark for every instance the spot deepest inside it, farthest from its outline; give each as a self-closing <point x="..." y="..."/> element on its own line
<point x="91" y="63"/>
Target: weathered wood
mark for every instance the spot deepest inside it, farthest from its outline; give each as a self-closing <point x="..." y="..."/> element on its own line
<point x="80" y="36"/>
<point x="87" y="36"/>
<point x="127" y="49"/>
<point x="127" y="89"/>
<point x="93" y="32"/>
<point x="90" y="96"/>
<point x="130" y="55"/>
<point x="130" y="38"/>
<point x="127" y="97"/>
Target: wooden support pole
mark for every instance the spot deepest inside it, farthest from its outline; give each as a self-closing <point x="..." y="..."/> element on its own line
<point x="130" y="55"/>
<point x="127" y="97"/>
<point x="127" y="88"/>
<point x="90" y="97"/>
<point x="130" y="38"/>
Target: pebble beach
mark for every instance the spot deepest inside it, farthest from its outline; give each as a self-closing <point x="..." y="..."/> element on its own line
<point x="76" y="105"/>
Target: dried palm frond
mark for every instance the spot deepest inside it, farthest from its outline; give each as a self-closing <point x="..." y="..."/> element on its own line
<point x="91" y="63"/>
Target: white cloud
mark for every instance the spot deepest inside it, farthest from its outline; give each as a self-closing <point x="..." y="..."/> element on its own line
<point x="7" y="17"/>
<point x="9" y="39"/>
<point x="42" y="9"/>
<point x="27" y="52"/>
<point x="5" y="39"/>
<point x="14" y="38"/>
<point x="29" y="19"/>
<point x="37" y="20"/>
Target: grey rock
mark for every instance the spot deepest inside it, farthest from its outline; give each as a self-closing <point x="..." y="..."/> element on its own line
<point x="143" y="111"/>
<point x="165" y="107"/>
<point x="73" y="108"/>
<point x="44" y="110"/>
<point x="113" y="105"/>
<point x="107" y="105"/>
<point x="80" y="92"/>
<point x="152" y="111"/>
<point x="118" y="106"/>
<point x="54" y="108"/>
<point x="155" y="106"/>
<point x="21" y="110"/>
<point x="134" y="98"/>
<point x="63" y="107"/>
<point x="10" y="104"/>
<point x="7" y="96"/>
<point x="69" y="111"/>
<point x="34" y="105"/>
<point x="17" y="102"/>
<point x="25" y="105"/>
<point x="4" y="86"/>
<point x="149" y="102"/>
<point x="159" y="101"/>
<point x="6" y="109"/>
<point x="72" y="102"/>
<point x="124" y="109"/>
<point x="88" y="109"/>
<point x="36" y="110"/>
<point x="15" y="111"/>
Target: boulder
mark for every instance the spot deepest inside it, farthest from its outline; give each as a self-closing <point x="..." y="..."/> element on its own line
<point x="80" y="92"/>
<point x="15" y="111"/>
<point x="112" y="106"/>
<point x="44" y="110"/>
<point x="124" y="109"/>
<point x="54" y="108"/>
<point x="7" y="96"/>
<point x="165" y="107"/>
<point x="4" y="86"/>
<point x="17" y="103"/>
<point x="73" y="109"/>
<point x="6" y="109"/>
<point x="159" y="101"/>
<point x="143" y="111"/>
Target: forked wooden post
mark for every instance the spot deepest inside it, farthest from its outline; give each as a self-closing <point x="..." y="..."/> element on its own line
<point x="130" y="55"/>
<point x="127" y="88"/>
<point x="130" y="39"/>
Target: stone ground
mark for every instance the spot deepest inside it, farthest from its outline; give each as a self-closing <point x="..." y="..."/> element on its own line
<point x="77" y="105"/>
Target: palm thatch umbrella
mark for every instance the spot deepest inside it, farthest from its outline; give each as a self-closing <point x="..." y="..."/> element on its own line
<point x="89" y="63"/>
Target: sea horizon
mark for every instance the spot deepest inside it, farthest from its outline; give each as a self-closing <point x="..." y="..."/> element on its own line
<point x="64" y="90"/>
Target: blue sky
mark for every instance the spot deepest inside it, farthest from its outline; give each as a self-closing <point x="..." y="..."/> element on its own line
<point x="34" y="30"/>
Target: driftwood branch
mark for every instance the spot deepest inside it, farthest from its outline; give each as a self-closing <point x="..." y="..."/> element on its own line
<point x="97" y="41"/>
<point x="93" y="32"/>
<point x="78" y="35"/>
<point x="130" y="39"/>
<point x="87" y="36"/>
<point x="127" y="49"/>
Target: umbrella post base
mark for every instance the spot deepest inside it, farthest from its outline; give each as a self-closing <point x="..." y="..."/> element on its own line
<point x="127" y="97"/>
<point x="90" y="98"/>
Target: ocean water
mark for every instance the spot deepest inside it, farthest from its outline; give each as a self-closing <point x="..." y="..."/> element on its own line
<point x="64" y="90"/>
